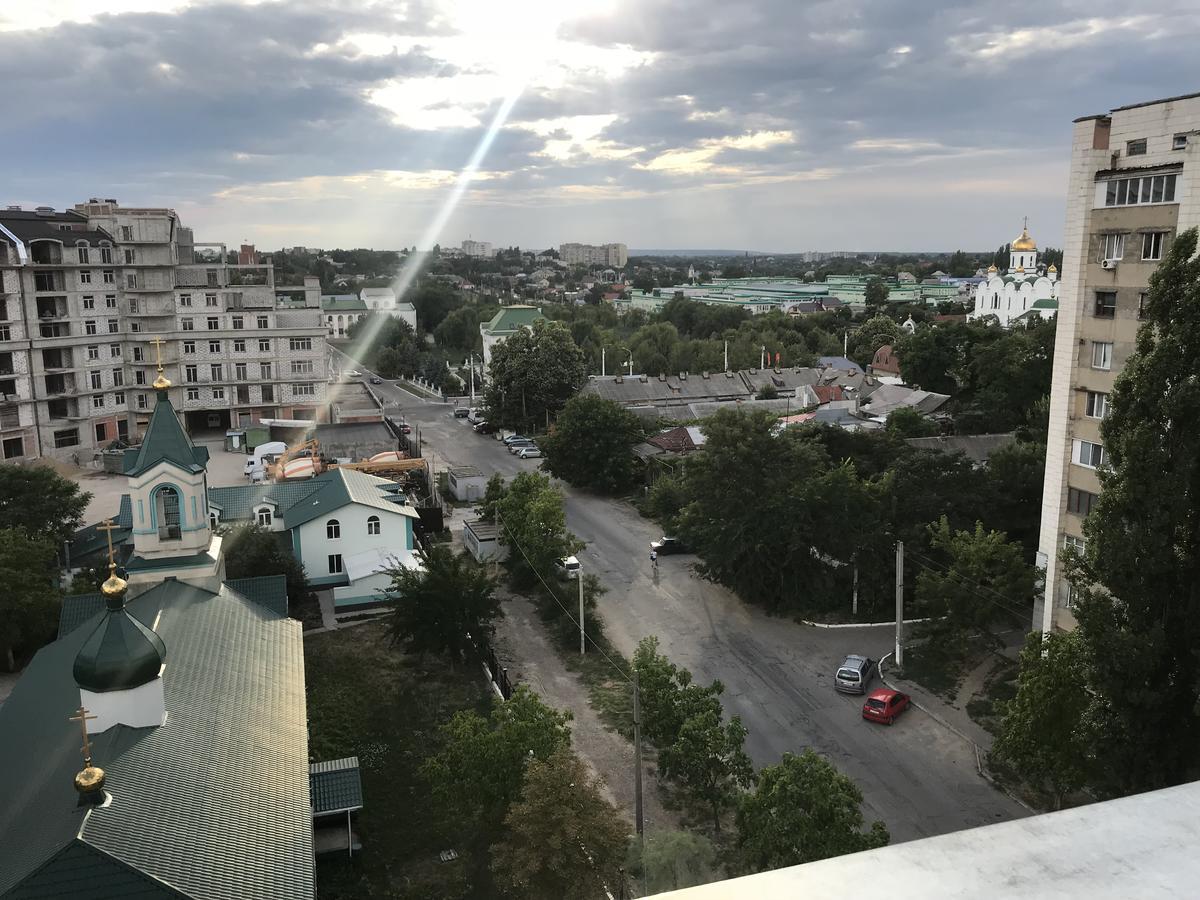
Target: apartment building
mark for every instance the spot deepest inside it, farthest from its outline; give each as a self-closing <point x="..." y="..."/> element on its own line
<point x="1133" y="186"/>
<point x="478" y="249"/>
<point x="86" y="293"/>
<point x="615" y="255"/>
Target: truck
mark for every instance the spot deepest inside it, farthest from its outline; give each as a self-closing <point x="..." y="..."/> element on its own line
<point x="256" y="463"/>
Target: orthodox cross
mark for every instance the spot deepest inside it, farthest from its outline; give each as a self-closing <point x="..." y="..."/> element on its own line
<point x="158" y="342"/>
<point x="82" y="718"/>
<point x="109" y="528"/>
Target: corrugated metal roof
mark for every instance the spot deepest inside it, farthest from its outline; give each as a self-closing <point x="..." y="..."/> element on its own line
<point x="215" y="802"/>
<point x="340" y="486"/>
<point x="82" y="872"/>
<point x="165" y="441"/>
<point x="237" y="502"/>
<point x="265" y="590"/>
<point x="510" y="318"/>
<point x="335" y="785"/>
<point x="77" y="609"/>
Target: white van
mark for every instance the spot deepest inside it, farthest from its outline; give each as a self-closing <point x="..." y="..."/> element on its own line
<point x="474" y="414"/>
<point x="255" y="462"/>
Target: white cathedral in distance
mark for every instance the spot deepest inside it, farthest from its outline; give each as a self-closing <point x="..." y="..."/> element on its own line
<point x="1022" y="292"/>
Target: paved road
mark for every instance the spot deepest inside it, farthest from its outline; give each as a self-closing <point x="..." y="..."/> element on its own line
<point x="919" y="778"/>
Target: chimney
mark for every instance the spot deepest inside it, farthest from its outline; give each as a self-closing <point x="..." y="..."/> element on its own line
<point x="45" y="210"/>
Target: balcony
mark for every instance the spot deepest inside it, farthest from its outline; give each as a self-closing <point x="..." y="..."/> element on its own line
<point x="57" y="359"/>
<point x="49" y="281"/>
<point x="56" y="330"/>
<point x="200" y="276"/>
<point x="57" y="385"/>
<point x="62" y="409"/>
<point x="148" y="281"/>
<point x="46" y="253"/>
<point x="51" y="308"/>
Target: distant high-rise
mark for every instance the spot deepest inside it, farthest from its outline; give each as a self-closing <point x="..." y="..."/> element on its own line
<point x="1133" y="186"/>
<point x="479" y="249"/>
<point x="615" y="255"/>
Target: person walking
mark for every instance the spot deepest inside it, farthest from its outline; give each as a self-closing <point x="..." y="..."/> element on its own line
<point x="654" y="559"/>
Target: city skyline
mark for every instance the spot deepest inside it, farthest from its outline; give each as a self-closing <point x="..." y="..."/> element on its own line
<point x="765" y="127"/>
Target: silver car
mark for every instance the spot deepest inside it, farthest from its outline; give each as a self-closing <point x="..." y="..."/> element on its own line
<point x="854" y="674"/>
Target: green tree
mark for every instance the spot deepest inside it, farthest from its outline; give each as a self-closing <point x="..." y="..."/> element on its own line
<point x="532" y="375"/>
<point x="675" y="859"/>
<point x="870" y="336"/>
<point x="251" y="551"/>
<point x="708" y="761"/>
<point x="562" y="839"/>
<point x="906" y="422"/>
<point x="591" y="445"/>
<point x="533" y="524"/>
<point x="492" y="495"/>
<point x="929" y="357"/>
<point x="439" y="605"/>
<point x="1139" y="598"/>
<point x="767" y="392"/>
<point x="666" y="498"/>
<point x="668" y="695"/>
<point x="41" y="501"/>
<point x="1015" y="474"/>
<point x="1044" y="734"/>
<point x="480" y="769"/>
<point x="30" y="602"/>
<point x="875" y="295"/>
<point x="802" y="810"/>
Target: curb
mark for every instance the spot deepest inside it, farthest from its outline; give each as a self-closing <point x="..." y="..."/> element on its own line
<point x="983" y="773"/>
<point x="861" y="624"/>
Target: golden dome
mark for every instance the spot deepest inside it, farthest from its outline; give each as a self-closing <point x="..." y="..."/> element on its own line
<point x="1020" y="270"/>
<point x="992" y="268"/>
<point x="160" y="383"/>
<point x="90" y="780"/>
<point x="1053" y="268"/>
<point x="114" y="585"/>
<point x="1024" y="242"/>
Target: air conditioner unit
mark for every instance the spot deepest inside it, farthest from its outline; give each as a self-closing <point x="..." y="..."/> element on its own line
<point x="1108" y="264"/>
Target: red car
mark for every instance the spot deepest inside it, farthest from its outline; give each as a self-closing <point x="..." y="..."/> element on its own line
<point x="884" y="705"/>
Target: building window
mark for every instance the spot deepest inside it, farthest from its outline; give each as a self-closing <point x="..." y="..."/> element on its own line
<point x="133" y="304"/>
<point x="218" y="393"/>
<point x="97" y="401"/>
<point x="185" y="299"/>
<point x="190" y="374"/>
<point x="167" y="506"/>
<point x="187" y="323"/>
<point x="1102" y="355"/>
<point x="14" y="447"/>
<point x="299" y="344"/>
<point x="212" y="521"/>
<point x="335" y="564"/>
<point x="213" y="323"/>
<point x="304" y="390"/>
<point x="1074" y="544"/>
<point x="238" y="323"/>
<point x="1146" y="189"/>
<point x="1106" y="304"/>
<point x="333" y="530"/>
<point x="101" y="432"/>
<point x="264" y="518"/>
<point x="302" y="367"/>
<point x="139" y="376"/>
<point x="89" y="302"/>
<point x="106" y="255"/>
<point x="141" y="400"/>
<point x="93" y="352"/>
<point x="83" y="254"/>
<point x="94" y="378"/>
<point x="373" y="525"/>
<point x="1112" y="246"/>
<point x="215" y="371"/>
<point x="1142" y="305"/>
<point x="135" y="327"/>
<point x="130" y="257"/>
<point x="1088" y="454"/>
<point x="126" y="232"/>
<point x="193" y="394"/>
<point x="1135" y="148"/>
<point x="68" y="437"/>
<point x="214" y="346"/>
<point x="189" y="347"/>
<point x="210" y="300"/>
<point x="89" y="326"/>
<point x="108" y="276"/>
<point x="264" y="345"/>
<point x="1080" y="502"/>
<point x="239" y="346"/>
<point x="114" y="326"/>
<point x="264" y="371"/>
<point x="118" y="377"/>
<point x="114" y="351"/>
<point x="263" y="322"/>
<point x="239" y="372"/>
<point x="85" y="276"/>
<point x="1152" y="245"/>
<point x="1097" y="405"/>
<point x="119" y="398"/>
<point x="1179" y="142"/>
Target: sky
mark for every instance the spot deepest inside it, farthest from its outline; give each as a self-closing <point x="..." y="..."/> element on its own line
<point x="771" y="125"/>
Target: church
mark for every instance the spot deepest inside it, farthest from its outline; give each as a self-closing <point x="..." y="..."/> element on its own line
<point x="1022" y="292"/>
<point x="159" y="747"/>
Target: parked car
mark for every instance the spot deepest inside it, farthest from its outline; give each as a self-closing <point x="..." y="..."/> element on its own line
<point x="376" y="380"/>
<point x="854" y="674"/>
<point x="568" y="567"/>
<point x="405" y="428"/>
<point x="484" y="427"/>
<point x="513" y="438"/>
<point x="213" y="420"/>
<point x="884" y="705"/>
<point x="517" y="445"/>
<point x="531" y="452"/>
<point x="461" y="412"/>
<point x="668" y="545"/>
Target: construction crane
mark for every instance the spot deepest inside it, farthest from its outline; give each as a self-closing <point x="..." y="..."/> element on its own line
<point x="291" y="454"/>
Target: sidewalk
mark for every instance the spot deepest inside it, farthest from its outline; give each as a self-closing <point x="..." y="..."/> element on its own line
<point x="957" y="720"/>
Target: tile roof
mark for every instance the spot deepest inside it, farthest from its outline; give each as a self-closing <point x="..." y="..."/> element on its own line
<point x="165" y="441"/>
<point x="341" y="486"/>
<point x="839" y="362"/>
<point x="90" y="539"/>
<point x="342" y="303"/>
<point x="976" y="447"/>
<point x="80" y="870"/>
<point x="335" y="785"/>
<point x="77" y="609"/>
<point x="237" y="502"/>
<point x="213" y="804"/>
<point x="265" y="590"/>
<point x="510" y="318"/>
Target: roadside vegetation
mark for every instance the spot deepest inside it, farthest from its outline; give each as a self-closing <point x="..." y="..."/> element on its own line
<point x="251" y="551"/>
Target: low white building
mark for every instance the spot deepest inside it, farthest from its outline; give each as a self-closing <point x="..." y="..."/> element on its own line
<point x="1021" y="292"/>
<point x="504" y="324"/>
<point x="383" y="300"/>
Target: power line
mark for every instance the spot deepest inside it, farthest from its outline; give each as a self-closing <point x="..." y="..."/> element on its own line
<point x="566" y="611"/>
<point x="1001" y="601"/>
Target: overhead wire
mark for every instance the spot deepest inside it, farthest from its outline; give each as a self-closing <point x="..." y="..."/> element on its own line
<point x="1000" y="600"/>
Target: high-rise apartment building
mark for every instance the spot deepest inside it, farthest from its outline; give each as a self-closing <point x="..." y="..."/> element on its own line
<point x="478" y="249"/>
<point x="85" y="293"/>
<point x="614" y="255"/>
<point x="1134" y="184"/>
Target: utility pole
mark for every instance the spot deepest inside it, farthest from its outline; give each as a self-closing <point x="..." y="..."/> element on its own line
<point x="727" y="356"/>
<point x="582" y="634"/>
<point x="900" y="603"/>
<point x="603" y="352"/>
<point x="637" y="760"/>
<point x="472" y="364"/>
<point x="854" y="595"/>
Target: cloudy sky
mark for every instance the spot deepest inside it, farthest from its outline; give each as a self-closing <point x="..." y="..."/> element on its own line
<point x="761" y="124"/>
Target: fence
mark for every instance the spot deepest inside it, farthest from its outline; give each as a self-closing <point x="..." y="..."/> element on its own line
<point x="491" y="664"/>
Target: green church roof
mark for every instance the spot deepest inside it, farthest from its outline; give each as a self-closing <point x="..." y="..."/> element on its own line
<point x="120" y="653"/>
<point x="165" y="441"/>
<point x="510" y="318"/>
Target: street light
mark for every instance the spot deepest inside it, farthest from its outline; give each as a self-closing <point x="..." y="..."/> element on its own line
<point x="630" y="362"/>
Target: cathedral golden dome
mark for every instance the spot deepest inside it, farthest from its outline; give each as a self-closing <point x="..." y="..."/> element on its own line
<point x="1053" y="268"/>
<point x="1024" y="242"/>
<point x="992" y="268"/>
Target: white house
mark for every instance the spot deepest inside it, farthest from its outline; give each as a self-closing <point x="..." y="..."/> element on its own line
<point x="383" y="300"/>
<point x="1021" y="292"/>
<point x="504" y="324"/>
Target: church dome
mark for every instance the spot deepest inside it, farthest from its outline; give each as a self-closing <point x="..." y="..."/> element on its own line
<point x="120" y="654"/>
<point x="1024" y="242"/>
<point x="992" y="269"/>
<point x="1053" y="268"/>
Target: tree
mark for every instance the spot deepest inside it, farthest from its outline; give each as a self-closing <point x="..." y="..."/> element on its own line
<point x="480" y="769"/>
<point x="708" y="762"/>
<point x="929" y="356"/>
<point x="1139" y="598"/>
<point x="1044" y="734"/>
<point x="532" y="375"/>
<point x="39" y="500"/>
<point x="676" y="859"/>
<point x="870" y="336"/>
<point x="251" y="551"/>
<point x="906" y="422"/>
<point x="875" y="295"/>
<point x="562" y="839"/>
<point x="668" y="696"/>
<point x="441" y="606"/>
<point x="767" y="392"/>
<point x="533" y="523"/>
<point x="591" y="445"/>
<point x="802" y="810"/>
<point x="30" y="601"/>
<point x="1015" y="474"/>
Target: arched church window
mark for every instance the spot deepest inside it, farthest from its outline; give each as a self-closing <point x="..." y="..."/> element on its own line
<point x="333" y="529"/>
<point x="167" y="508"/>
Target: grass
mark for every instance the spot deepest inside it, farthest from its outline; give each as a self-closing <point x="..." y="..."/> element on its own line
<point x="1001" y="685"/>
<point x="935" y="666"/>
<point x="369" y="700"/>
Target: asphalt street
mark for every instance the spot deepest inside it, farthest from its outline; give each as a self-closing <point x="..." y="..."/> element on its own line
<point x="919" y="778"/>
